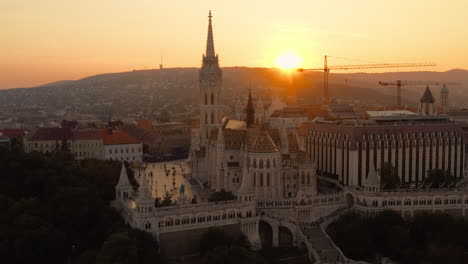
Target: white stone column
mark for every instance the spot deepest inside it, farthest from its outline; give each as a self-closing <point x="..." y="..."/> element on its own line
<point x="353" y="167"/>
<point x="338" y="163"/>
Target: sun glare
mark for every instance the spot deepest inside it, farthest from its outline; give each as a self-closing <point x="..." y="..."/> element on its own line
<point x="288" y="61"/>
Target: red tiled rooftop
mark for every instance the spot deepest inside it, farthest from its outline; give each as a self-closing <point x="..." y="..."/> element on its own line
<point x="145" y="124"/>
<point x="117" y="137"/>
<point x="86" y="135"/>
<point x="9" y="133"/>
<point x="49" y="133"/>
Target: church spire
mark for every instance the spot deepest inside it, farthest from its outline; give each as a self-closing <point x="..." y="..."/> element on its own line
<point x="210" y="51"/>
<point x="249" y="111"/>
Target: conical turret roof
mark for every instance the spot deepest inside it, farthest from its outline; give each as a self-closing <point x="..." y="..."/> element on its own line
<point x="210" y="51"/>
<point x="144" y="193"/>
<point x="372" y="177"/>
<point x="427" y="96"/>
<point x="123" y="179"/>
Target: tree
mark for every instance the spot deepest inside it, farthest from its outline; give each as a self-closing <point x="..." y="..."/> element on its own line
<point x="213" y="238"/>
<point x="353" y="236"/>
<point x="16" y="144"/>
<point x="389" y="176"/>
<point x="391" y="234"/>
<point x="221" y="196"/>
<point x="118" y="248"/>
<point x="147" y="246"/>
<point x="166" y="201"/>
<point x="438" y="178"/>
<point x="232" y="255"/>
<point x="55" y="210"/>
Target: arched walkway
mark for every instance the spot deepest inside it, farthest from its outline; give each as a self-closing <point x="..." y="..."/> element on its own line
<point x="266" y="234"/>
<point x="349" y="200"/>
<point x="285" y="237"/>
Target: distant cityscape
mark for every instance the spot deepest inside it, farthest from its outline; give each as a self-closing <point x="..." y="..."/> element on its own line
<point x="255" y="155"/>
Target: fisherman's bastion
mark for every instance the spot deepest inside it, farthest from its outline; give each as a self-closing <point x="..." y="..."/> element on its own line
<point x="293" y="176"/>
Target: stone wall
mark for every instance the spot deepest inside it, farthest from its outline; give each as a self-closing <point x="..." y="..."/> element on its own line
<point x="182" y="243"/>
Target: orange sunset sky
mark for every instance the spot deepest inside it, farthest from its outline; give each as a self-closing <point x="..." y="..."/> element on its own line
<point x="48" y="40"/>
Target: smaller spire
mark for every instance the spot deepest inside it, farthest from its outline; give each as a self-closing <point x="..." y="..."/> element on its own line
<point x="123" y="179"/>
<point x="249" y="111"/>
<point x="372" y="182"/>
<point x="144" y="191"/>
<point x="220" y="135"/>
<point x="210" y="51"/>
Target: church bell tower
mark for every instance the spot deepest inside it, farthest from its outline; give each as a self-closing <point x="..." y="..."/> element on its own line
<point x="210" y="89"/>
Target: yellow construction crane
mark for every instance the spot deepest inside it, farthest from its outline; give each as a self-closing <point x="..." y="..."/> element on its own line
<point x="400" y="83"/>
<point x="326" y="69"/>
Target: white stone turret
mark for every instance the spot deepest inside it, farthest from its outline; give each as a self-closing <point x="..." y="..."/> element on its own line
<point x="444" y="100"/>
<point x="246" y="192"/>
<point x="427" y="104"/>
<point x="144" y="201"/>
<point x="123" y="187"/>
<point x="284" y="140"/>
<point x="239" y="109"/>
<point x="221" y="182"/>
<point x="372" y="182"/>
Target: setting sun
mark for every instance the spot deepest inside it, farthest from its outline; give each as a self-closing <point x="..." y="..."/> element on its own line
<point x="288" y="61"/>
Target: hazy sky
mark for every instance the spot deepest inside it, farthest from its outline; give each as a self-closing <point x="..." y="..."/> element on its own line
<point x="47" y="40"/>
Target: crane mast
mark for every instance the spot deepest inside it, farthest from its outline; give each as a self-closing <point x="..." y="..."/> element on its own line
<point x="326" y="71"/>
<point x="399" y="84"/>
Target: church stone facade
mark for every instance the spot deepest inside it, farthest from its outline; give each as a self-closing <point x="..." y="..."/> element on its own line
<point x="247" y="157"/>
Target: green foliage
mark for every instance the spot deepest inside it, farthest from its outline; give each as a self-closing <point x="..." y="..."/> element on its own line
<point x="132" y="246"/>
<point x="353" y="236"/>
<point x="438" y="177"/>
<point x="428" y="238"/>
<point x="218" y="247"/>
<point x="232" y="255"/>
<point x="118" y="248"/>
<point x="215" y="237"/>
<point x="221" y="196"/>
<point x="166" y="201"/>
<point x="389" y="176"/>
<point x="55" y="209"/>
<point x="16" y="144"/>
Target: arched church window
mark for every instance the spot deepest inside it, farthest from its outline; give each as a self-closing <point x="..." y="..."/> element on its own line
<point x="212" y="98"/>
<point x="268" y="179"/>
<point x="302" y="178"/>
<point x="261" y="164"/>
<point x="274" y="164"/>
<point x="206" y="118"/>
<point x="212" y="118"/>
<point x="261" y="179"/>
<point x="255" y="163"/>
<point x="308" y="178"/>
<point x="255" y="179"/>
<point x="206" y="99"/>
<point x="268" y="164"/>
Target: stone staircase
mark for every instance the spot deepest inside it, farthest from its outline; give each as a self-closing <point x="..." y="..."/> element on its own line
<point x="322" y="245"/>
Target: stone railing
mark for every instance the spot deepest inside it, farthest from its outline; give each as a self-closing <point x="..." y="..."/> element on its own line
<point x="324" y="225"/>
<point x="303" y="238"/>
<point x="321" y="199"/>
<point x="199" y="207"/>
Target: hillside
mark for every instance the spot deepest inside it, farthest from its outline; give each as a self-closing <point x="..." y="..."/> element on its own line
<point x="176" y="90"/>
